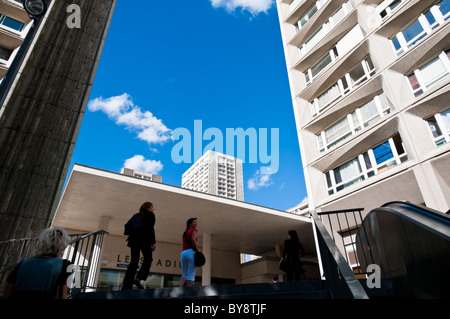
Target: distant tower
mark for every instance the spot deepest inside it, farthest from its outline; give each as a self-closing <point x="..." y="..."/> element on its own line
<point x="216" y="173"/>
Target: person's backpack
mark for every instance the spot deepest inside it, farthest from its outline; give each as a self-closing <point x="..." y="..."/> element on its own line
<point x="133" y="224"/>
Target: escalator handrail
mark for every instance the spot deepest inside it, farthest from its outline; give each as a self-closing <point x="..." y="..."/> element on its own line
<point x="433" y="220"/>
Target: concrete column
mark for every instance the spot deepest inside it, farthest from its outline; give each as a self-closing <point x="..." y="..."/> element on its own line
<point x="103" y="223"/>
<point x="206" y="269"/>
<point x="41" y="112"/>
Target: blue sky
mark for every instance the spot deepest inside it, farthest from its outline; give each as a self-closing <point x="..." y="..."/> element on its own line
<point x="169" y="63"/>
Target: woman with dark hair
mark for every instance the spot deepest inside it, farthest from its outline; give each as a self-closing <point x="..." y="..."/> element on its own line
<point x="188" y="253"/>
<point x="290" y="259"/>
<point x="141" y="238"/>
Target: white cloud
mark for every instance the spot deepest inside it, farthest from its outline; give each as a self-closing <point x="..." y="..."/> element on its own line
<point x="253" y="6"/>
<point x="139" y="163"/>
<point x="259" y="180"/>
<point x="123" y="111"/>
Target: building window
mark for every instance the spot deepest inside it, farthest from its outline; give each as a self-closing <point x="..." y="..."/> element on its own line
<point x="309" y="14"/>
<point x="358" y="75"/>
<point x="11" y="24"/>
<point x="348" y="42"/>
<point x="5" y="54"/>
<point x="376" y="160"/>
<point x="430" y="75"/>
<point x="439" y="126"/>
<point x="326" y="28"/>
<point x="362" y="117"/>
<point x="387" y="7"/>
<point x="420" y="28"/>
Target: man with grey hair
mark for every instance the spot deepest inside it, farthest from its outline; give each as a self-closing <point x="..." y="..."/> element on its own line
<point x="43" y="276"/>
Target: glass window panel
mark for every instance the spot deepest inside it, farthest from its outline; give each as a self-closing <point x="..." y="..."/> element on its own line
<point x="367" y="160"/>
<point x="328" y="179"/>
<point x="431" y="19"/>
<point x="348" y="171"/>
<point x="321" y="64"/>
<point x="433" y="72"/>
<point x="383" y="101"/>
<point x="396" y="44"/>
<point x="337" y="130"/>
<point x="412" y="32"/>
<point x="320" y="141"/>
<point x="415" y="84"/>
<point x="357" y="73"/>
<point x="338" y="16"/>
<point x="5" y="53"/>
<point x="329" y="96"/>
<point x="369" y="110"/>
<point x="383" y="153"/>
<point x="444" y="7"/>
<point x="446" y="118"/>
<point x="13" y="24"/>
<point x="398" y="144"/>
<point x="308" y="16"/>
<point x="434" y="127"/>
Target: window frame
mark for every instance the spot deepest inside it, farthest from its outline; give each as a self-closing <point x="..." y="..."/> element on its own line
<point x="368" y="165"/>
<point x="427" y="29"/>
<point x="444" y="137"/>
<point x="424" y="86"/>
<point x="3" y="26"/>
<point x="355" y="122"/>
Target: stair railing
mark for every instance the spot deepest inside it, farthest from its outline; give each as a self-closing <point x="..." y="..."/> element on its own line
<point x="83" y="252"/>
<point x="341" y="280"/>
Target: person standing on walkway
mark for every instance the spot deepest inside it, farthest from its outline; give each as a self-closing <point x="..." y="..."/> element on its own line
<point x="290" y="259"/>
<point x="140" y="230"/>
<point x="45" y="275"/>
<point x="188" y="253"/>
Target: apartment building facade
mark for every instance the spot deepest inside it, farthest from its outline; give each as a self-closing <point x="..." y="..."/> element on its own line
<point x="216" y="173"/>
<point x="14" y="26"/>
<point x="370" y="88"/>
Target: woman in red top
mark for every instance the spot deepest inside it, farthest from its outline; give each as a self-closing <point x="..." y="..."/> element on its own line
<point x="187" y="255"/>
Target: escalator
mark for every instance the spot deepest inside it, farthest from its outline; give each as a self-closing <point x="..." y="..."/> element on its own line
<point x="411" y="245"/>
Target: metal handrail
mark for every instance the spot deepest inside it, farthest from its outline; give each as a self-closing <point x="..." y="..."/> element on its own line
<point x="342" y="282"/>
<point x="347" y="226"/>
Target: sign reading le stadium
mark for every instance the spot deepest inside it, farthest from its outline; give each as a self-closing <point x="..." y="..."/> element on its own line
<point x="123" y="261"/>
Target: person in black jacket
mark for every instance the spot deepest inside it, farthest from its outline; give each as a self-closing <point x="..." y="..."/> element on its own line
<point x="141" y="238"/>
<point x="292" y="252"/>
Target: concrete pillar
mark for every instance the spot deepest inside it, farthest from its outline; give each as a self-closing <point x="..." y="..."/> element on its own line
<point x="43" y="99"/>
<point x="103" y="223"/>
<point x="206" y="269"/>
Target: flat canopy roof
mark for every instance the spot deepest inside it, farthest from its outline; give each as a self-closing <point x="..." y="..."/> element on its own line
<point x="234" y="225"/>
